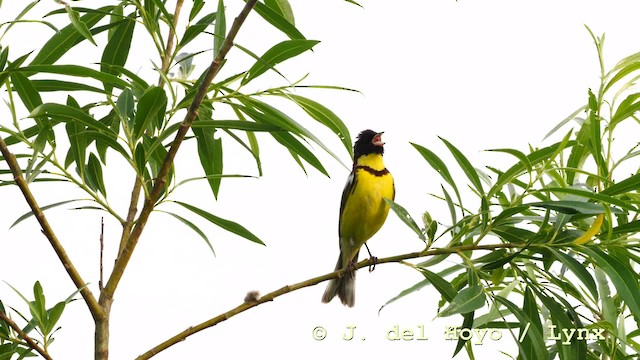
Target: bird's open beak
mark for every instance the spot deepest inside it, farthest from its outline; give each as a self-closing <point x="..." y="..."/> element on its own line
<point x="377" y="140"/>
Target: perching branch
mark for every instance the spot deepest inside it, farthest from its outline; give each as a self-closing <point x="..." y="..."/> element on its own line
<point x="32" y="344"/>
<point x="87" y="295"/>
<point x="149" y="204"/>
<point x="310" y="282"/>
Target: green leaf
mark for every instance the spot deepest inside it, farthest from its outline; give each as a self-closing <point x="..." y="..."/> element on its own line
<point x="76" y="70"/>
<point x="53" y="315"/>
<point x="64" y="86"/>
<point x="629" y="184"/>
<point x="466" y="166"/>
<point x="253" y="147"/>
<point x="325" y="116"/>
<point x="209" y="150"/>
<point x="223" y="223"/>
<point x="298" y="149"/>
<point x="406" y="292"/>
<point x="566" y="120"/>
<point x="622" y="276"/>
<point x="513" y="234"/>
<point x="590" y="195"/>
<point x="80" y="25"/>
<point x="467" y="300"/>
<point x="236" y="125"/>
<point x="467" y="323"/>
<point x="283" y="8"/>
<point x="220" y="32"/>
<point x="443" y="286"/>
<point x="518" y="154"/>
<point x="69" y="114"/>
<point x="196" y="29"/>
<point x="438" y="165"/>
<point x="627" y="107"/>
<point x="114" y="18"/>
<point x="110" y="142"/>
<point x="43" y="208"/>
<point x="624" y="67"/>
<point x="78" y="145"/>
<point x="532" y="346"/>
<point x="126" y="106"/>
<point x="116" y="51"/>
<point x="24" y="87"/>
<point x="578" y="269"/>
<point x="421" y="284"/>
<point x="193" y="227"/>
<point x="534" y="158"/>
<point x="277" y="54"/>
<point x="630" y="227"/>
<point x="4" y="56"/>
<point x="574" y="207"/>
<point x="93" y="172"/>
<point x="38" y="306"/>
<point x="150" y="111"/>
<point x="12" y="66"/>
<point x="402" y="213"/>
<point x="138" y="83"/>
<point x="450" y="205"/>
<point x="195" y="9"/>
<point x="279" y="22"/>
<point x="170" y="130"/>
<point x="263" y="112"/>
<point x="60" y="43"/>
<point x="506" y="214"/>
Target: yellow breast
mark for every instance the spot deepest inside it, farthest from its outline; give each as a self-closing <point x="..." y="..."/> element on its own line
<point x="365" y="210"/>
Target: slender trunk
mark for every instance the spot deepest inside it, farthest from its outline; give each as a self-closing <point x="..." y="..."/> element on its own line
<point x="102" y="329"/>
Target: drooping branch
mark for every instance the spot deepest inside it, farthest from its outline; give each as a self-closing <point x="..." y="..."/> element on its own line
<point x="310" y="282"/>
<point x="160" y="181"/>
<point x="32" y="344"/>
<point x="87" y="295"/>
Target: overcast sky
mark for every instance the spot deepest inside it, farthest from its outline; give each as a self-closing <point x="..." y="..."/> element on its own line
<point x="482" y="74"/>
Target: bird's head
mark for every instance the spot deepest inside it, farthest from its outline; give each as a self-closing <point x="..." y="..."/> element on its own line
<point x="368" y="142"/>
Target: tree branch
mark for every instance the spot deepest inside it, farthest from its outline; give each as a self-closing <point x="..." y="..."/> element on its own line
<point x="310" y="282"/>
<point x="131" y="214"/>
<point x="149" y="204"/>
<point x="87" y="295"/>
<point x="32" y="344"/>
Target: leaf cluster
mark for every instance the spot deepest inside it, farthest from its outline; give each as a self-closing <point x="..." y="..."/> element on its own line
<point x="570" y="213"/>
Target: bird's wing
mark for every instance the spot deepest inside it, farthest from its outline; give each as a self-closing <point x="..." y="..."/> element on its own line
<point x="394" y="191"/>
<point x="348" y="189"/>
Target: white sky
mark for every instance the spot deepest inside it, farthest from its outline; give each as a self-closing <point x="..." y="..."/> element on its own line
<point x="483" y="75"/>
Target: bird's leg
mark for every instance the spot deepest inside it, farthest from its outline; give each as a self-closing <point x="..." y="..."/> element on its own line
<point x="372" y="259"/>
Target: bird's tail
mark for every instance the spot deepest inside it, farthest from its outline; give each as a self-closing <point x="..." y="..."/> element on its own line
<point x="344" y="286"/>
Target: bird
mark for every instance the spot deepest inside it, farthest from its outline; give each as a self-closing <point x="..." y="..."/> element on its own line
<point x="363" y="211"/>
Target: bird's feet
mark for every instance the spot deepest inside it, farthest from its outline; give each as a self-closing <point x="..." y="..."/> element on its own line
<point x="372" y="259"/>
<point x="372" y="263"/>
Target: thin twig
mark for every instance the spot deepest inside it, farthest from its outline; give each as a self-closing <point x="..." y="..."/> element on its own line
<point x="149" y="204"/>
<point x="87" y="295"/>
<point x="310" y="282"/>
<point x="32" y="344"/>
<point x="168" y="53"/>
<point x="101" y="252"/>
